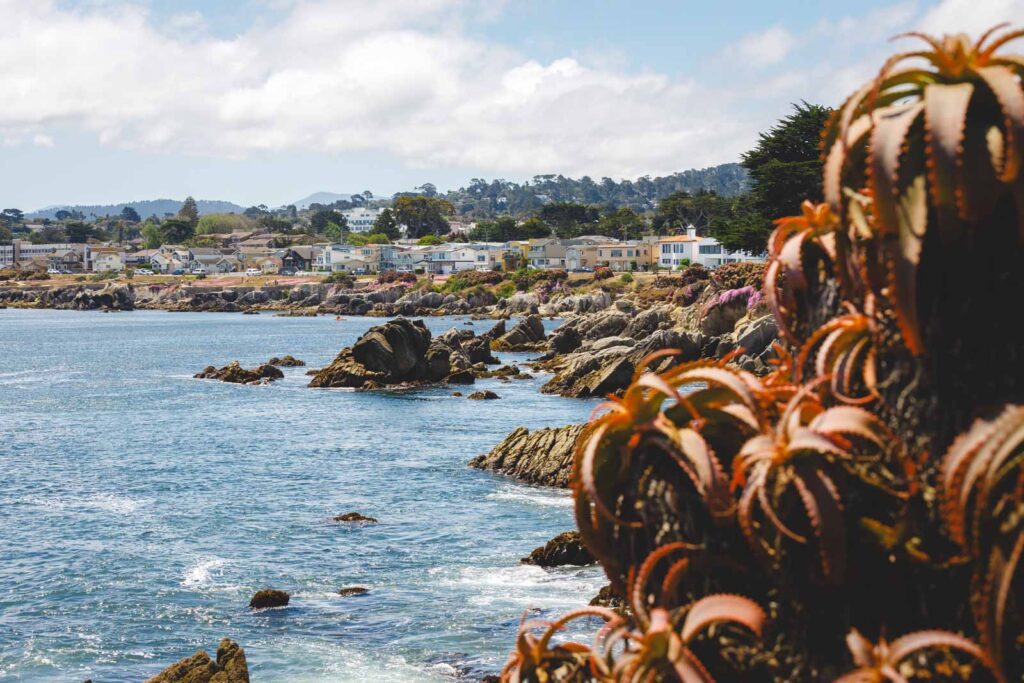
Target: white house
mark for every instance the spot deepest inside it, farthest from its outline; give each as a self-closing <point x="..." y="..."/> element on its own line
<point x="361" y="219"/>
<point x="678" y="251"/>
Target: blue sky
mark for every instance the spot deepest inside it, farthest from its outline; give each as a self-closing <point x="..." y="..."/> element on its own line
<point x="270" y="100"/>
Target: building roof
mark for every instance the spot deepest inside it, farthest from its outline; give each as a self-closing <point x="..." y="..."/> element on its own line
<point x="678" y="238"/>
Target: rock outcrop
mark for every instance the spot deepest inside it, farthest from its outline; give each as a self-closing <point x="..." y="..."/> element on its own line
<point x="352" y="591"/>
<point x="400" y="351"/>
<point x="269" y="597"/>
<point x="229" y="667"/>
<point x="543" y="456"/>
<point x="483" y="396"/>
<point x="355" y="517"/>
<point x="564" y="549"/>
<point x="234" y="373"/>
<point x="286" y="362"/>
<point x="527" y="335"/>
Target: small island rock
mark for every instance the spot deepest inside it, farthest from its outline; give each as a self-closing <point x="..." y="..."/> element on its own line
<point x="355" y="517"/>
<point x="269" y="597"/>
<point x="563" y="549"/>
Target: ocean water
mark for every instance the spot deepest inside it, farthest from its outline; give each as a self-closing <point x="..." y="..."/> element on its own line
<point x="141" y="508"/>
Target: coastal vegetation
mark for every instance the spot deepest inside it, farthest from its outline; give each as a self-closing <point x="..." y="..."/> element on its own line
<point x="854" y="514"/>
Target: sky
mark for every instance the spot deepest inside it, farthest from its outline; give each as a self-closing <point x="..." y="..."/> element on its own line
<point x="267" y="101"/>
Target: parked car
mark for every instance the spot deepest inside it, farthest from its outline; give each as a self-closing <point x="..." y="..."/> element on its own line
<point x="143" y="271"/>
<point x="286" y="271"/>
<point x="179" y="271"/>
<point x="253" y="272"/>
<point x="52" y="271"/>
<point x="301" y="273"/>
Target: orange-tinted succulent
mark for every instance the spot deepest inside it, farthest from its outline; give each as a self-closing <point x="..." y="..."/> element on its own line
<point x="659" y="649"/>
<point x="885" y="661"/>
<point x="536" y="659"/>
<point x="945" y="139"/>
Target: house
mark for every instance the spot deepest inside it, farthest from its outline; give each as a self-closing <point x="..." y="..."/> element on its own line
<point x="624" y="256"/>
<point x="349" y="258"/>
<point x="546" y="253"/>
<point x="297" y="258"/>
<point x="678" y="251"/>
<point x="581" y="257"/>
<point x="165" y="263"/>
<point x="361" y="219"/>
<point x="66" y="261"/>
<point x="268" y="265"/>
<point x="262" y="241"/>
<point x="210" y="264"/>
<point x="140" y="258"/>
<point x="107" y="258"/>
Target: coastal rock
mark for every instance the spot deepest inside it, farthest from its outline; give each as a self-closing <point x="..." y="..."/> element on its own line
<point x="230" y="667"/>
<point x="403" y="351"/>
<point x="352" y="591"/>
<point x="606" y="597"/>
<point x="520" y="303"/>
<point x="355" y="517"/>
<point x="756" y="336"/>
<point x="543" y="456"/>
<point x="269" y="597"/>
<point x="234" y="373"/>
<point x="286" y="362"/>
<point x="564" y="549"/>
<point x="527" y="335"/>
<point x="483" y="396"/>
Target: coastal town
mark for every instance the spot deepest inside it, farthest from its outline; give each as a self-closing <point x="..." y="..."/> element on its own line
<point x="255" y="253"/>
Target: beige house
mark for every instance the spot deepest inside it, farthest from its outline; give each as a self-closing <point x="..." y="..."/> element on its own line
<point x="624" y="256"/>
<point x="107" y="258"/>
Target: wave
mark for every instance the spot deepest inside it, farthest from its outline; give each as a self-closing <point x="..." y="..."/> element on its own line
<point x="201" y="573"/>
<point x="533" y="496"/>
<point x="106" y="502"/>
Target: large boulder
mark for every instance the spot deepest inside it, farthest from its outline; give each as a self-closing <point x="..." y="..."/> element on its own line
<point x="564" y="549"/>
<point x="403" y="352"/>
<point x="229" y="667"/>
<point x="527" y="335"/>
<point x="393" y="349"/>
<point x="543" y="456"/>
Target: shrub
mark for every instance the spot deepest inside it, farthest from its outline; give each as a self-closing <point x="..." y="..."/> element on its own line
<point x="505" y="290"/>
<point x="389" y="276"/>
<point x="340" y="277"/>
<point x="737" y="275"/>
<point x="626" y="278"/>
<point x="104" y="275"/>
<point x="602" y="273"/>
<point x="6" y="275"/>
<point x="472" y="278"/>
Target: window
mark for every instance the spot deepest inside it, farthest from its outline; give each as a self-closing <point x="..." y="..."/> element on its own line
<point x="711" y="248"/>
<point x="666" y="249"/>
<point x="616" y="253"/>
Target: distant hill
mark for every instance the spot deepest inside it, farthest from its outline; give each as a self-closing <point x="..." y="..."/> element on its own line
<point x="146" y="208"/>
<point x="324" y="198"/>
<point x="484" y="199"/>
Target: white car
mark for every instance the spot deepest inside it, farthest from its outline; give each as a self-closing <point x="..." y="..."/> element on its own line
<point x="143" y="271"/>
<point x="301" y="273"/>
<point x="52" y="271"/>
<point x="253" y="272"/>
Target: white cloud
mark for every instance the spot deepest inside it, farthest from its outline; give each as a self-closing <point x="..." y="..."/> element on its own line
<point x="767" y="47"/>
<point x="407" y="79"/>
<point x="971" y="16"/>
<point x="400" y="77"/>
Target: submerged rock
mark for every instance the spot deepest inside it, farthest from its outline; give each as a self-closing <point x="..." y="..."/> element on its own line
<point x="355" y="517"/>
<point x="563" y="549"/>
<point x="351" y="591"/>
<point x="230" y="667"/>
<point x="543" y="456"/>
<point x="269" y="597"/>
<point x="483" y="396"/>
<point x="286" y="362"/>
<point x="234" y="373"/>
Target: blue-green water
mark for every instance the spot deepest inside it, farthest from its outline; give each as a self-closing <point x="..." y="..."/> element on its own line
<point x="140" y="508"/>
